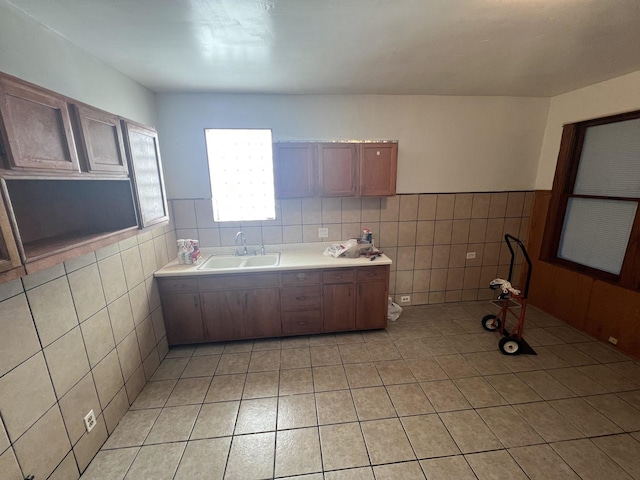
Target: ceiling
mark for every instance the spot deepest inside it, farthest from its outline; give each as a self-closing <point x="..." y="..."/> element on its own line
<point x="443" y="47"/>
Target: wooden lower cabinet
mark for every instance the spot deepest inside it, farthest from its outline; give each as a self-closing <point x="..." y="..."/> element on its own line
<point x="223" y="315"/>
<point x="262" y="313"/>
<point x="339" y="307"/>
<point x="182" y="317"/>
<point x="236" y="307"/>
<point x="371" y="305"/>
<point x="234" y="314"/>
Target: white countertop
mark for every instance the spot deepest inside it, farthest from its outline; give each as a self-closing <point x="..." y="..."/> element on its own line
<point x="292" y="257"/>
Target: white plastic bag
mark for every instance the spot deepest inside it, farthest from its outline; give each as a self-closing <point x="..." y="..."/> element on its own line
<point x="343" y="248"/>
<point x="393" y="310"/>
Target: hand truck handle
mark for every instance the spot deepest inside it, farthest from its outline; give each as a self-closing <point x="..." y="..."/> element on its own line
<point x="510" y="238"/>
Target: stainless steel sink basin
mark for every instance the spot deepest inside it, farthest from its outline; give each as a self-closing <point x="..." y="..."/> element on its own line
<point x="226" y="262"/>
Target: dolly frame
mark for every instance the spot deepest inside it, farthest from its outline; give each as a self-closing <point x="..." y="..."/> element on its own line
<point x="511" y="341"/>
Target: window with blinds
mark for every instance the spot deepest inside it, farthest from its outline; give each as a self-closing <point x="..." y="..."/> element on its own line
<point x="596" y="193"/>
<point x="241" y="174"/>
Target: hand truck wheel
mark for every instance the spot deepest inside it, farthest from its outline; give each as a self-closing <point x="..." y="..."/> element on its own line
<point x="491" y="323"/>
<point x="509" y="345"/>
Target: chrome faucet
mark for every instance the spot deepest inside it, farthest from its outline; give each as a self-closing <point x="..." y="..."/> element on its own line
<point x="240" y="235"/>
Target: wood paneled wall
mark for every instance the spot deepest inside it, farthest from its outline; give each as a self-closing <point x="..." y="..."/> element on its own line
<point x="598" y="308"/>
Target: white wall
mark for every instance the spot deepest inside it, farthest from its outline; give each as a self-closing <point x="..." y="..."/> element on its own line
<point x="614" y="96"/>
<point x="35" y="53"/>
<point x="447" y="144"/>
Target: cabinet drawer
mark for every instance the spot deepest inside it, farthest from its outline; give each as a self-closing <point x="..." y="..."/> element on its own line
<point x="230" y="282"/>
<point x="338" y="275"/>
<point x="302" y="322"/>
<point x="170" y="285"/>
<point x="370" y="274"/>
<point x="300" y="298"/>
<point x="301" y="278"/>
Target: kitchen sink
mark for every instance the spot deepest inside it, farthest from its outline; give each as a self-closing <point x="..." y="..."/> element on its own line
<point x="220" y="263"/>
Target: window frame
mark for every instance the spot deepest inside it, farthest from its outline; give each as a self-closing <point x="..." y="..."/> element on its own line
<point x="571" y="145"/>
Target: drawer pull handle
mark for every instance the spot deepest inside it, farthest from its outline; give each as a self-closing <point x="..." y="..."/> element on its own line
<point x="302" y="323"/>
<point x="371" y="275"/>
<point x="301" y="276"/>
<point x="337" y="277"/>
<point x="304" y="297"/>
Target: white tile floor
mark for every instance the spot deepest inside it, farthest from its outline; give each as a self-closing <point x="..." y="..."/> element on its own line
<point x="429" y="397"/>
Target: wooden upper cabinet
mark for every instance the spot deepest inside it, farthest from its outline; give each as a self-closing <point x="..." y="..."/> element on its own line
<point x="338" y="169"/>
<point x="36" y="128"/>
<point x="295" y="170"/>
<point x="378" y="168"/>
<point x="99" y="140"/>
<point x="143" y="153"/>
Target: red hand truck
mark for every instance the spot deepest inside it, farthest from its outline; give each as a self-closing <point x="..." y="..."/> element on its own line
<point x="511" y="343"/>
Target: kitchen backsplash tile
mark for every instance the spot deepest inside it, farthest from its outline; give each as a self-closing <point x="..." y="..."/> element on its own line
<point x="436" y="231"/>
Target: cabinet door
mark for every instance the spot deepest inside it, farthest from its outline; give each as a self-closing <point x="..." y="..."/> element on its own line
<point x="9" y="255"/>
<point x="182" y="318"/>
<point x="371" y="308"/>
<point x="262" y="312"/>
<point x="339" y="307"/>
<point x="37" y="129"/>
<point x="378" y="167"/>
<point x="337" y="168"/>
<point x="146" y="170"/>
<point x="224" y="315"/>
<point x="100" y="141"/>
<point x="295" y="170"/>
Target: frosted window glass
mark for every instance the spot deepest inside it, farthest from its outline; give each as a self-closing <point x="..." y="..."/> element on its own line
<point x="596" y="232"/>
<point x="610" y="161"/>
<point x="241" y="174"/>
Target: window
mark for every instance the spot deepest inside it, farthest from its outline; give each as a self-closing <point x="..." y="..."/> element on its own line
<point x="594" y="221"/>
<point x="241" y="174"/>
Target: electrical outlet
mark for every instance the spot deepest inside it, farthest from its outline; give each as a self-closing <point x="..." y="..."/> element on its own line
<point x="405" y="299"/>
<point x="613" y="340"/>
<point x="323" y="232"/>
<point x="90" y="421"/>
<point x="471" y="255"/>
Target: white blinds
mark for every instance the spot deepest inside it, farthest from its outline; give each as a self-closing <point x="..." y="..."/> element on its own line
<point x="596" y="232"/>
<point x="241" y="173"/>
<point x="610" y="161"/>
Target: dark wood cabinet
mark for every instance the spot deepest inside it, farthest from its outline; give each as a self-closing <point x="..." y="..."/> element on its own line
<point x="338" y="307"/>
<point x="244" y="306"/>
<point x="378" y="169"/>
<point x="262" y="312"/>
<point x="337" y="169"/>
<point x="99" y="140"/>
<point x="143" y="153"/>
<point x="36" y="127"/>
<point x="372" y="297"/>
<point x="301" y="296"/>
<point x="241" y="306"/>
<point x="182" y="317"/>
<point x="224" y="315"/>
<point x="295" y="170"/>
